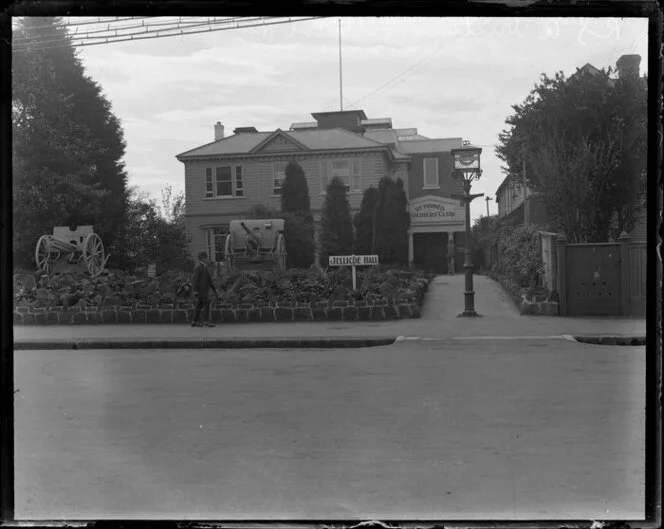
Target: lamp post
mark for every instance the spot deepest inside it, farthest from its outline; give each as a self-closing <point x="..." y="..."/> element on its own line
<point x="466" y="168"/>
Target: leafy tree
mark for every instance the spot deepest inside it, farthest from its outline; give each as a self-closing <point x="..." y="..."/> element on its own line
<point x="364" y="222"/>
<point x="172" y="206"/>
<point x="152" y="237"/>
<point x="391" y="221"/>
<point x="67" y="146"/>
<point x="583" y="140"/>
<point x="336" y="237"/>
<point x="294" y="189"/>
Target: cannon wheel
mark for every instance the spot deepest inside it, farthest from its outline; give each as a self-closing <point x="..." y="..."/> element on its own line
<point x="93" y="254"/>
<point x="280" y="252"/>
<point x="229" y="253"/>
<point x="42" y="255"/>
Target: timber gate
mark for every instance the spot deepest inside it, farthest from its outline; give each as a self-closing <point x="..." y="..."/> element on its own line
<point x="602" y="279"/>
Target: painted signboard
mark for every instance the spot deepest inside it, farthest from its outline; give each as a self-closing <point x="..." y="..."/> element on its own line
<point x="353" y="260"/>
<point x="436" y="210"/>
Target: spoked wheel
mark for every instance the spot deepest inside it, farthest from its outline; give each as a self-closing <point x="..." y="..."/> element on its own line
<point x="229" y="253"/>
<point x="93" y="254"/>
<point x="42" y="254"/>
<point x="280" y="252"/>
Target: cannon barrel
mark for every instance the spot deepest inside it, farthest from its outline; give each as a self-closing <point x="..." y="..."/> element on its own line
<point x="252" y="239"/>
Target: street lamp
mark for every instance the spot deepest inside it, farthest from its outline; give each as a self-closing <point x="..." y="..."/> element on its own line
<point x="466" y="168"/>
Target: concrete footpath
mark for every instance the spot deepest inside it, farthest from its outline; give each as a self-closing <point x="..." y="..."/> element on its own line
<point x="444" y="301"/>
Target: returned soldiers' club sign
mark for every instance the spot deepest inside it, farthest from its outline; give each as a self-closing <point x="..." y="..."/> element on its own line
<point x="353" y="260"/>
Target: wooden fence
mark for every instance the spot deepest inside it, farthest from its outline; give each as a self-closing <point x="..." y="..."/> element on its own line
<point x="601" y="279"/>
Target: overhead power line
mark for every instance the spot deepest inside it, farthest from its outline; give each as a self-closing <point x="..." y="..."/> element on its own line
<point x="153" y="30"/>
<point x="108" y="27"/>
<point x="411" y="68"/>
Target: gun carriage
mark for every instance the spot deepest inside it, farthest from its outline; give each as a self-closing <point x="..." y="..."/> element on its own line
<point x="255" y="241"/>
<point x="71" y="247"/>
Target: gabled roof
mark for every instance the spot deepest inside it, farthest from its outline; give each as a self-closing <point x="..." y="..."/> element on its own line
<point x="238" y="143"/>
<point x="332" y="139"/>
<point x="313" y="140"/>
<point x="279" y="134"/>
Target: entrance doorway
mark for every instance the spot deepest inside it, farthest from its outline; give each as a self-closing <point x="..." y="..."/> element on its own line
<point x="430" y="251"/>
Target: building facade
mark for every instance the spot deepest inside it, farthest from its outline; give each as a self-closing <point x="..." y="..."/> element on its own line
<point x="225" y="178"/>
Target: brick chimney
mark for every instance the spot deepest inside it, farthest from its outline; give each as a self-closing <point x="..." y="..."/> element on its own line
<point x="218" y="131"/>
<point x="628" y="66"/>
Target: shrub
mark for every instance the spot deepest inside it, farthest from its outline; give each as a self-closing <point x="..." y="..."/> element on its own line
<point x="520" y="254"/>
<point x="336" y="236"/>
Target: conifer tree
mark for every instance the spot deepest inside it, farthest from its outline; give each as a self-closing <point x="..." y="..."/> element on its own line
<point x="294" y="189"/>
<point x="299" y="223"/>
<point x="336" y="226"/>
<point x="391" y="221"/>
<point x="364" y="222"/>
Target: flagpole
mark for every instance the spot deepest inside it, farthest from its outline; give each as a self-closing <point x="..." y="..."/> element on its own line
<point x="341" y="93"/>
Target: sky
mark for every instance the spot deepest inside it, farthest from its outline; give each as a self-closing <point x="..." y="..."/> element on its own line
<point x="447" y="77"/>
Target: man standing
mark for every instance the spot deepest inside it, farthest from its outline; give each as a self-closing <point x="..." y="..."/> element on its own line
<point x="201" y="283"/>
<point x="451" y="253"/>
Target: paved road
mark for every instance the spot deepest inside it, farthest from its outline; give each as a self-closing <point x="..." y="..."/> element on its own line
<point x="433" y="429"/>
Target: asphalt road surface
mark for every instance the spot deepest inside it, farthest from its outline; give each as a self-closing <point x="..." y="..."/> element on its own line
<point x="486" y="429"/>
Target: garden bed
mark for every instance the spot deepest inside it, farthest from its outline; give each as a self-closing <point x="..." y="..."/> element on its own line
<point x="529" y="301"/>
<point x="294" y="295"/>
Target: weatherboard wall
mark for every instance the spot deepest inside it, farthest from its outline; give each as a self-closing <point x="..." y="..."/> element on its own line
<point x="257" y="176"/>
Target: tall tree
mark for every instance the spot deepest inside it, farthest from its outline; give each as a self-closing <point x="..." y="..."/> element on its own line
<point x="294" y="189"/>
<point x="62" y="127"/>
<point x="336" y="237"/>
<point x="299" y="222"/>
<point x="391" y="222"/>
<point x="585" y="133"/>
<point x="364" y="222"/>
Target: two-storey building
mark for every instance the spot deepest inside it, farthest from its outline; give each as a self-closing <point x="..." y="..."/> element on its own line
<point x="225" y="178"/>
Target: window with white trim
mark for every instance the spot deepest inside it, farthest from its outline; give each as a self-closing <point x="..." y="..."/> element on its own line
<point x="431" y="173"/>
<point x="278" y="176"/>
<point x="356" y="177"/>
<point x="239" y="188"/>
<point x="341" y="169"/>
<point x="209" y="184"/>
<point x="216" y="242"/>
<point x="349" y="171"/>
<point x="224" y="181"/>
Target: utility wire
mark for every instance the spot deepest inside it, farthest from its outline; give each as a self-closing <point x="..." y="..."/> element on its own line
<point x="147" y="29"/>
<point x="99" y="21"/>
<point x="120" y="27"/>
<point x="80" y="41"/>
<point x="404" y="72"/>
